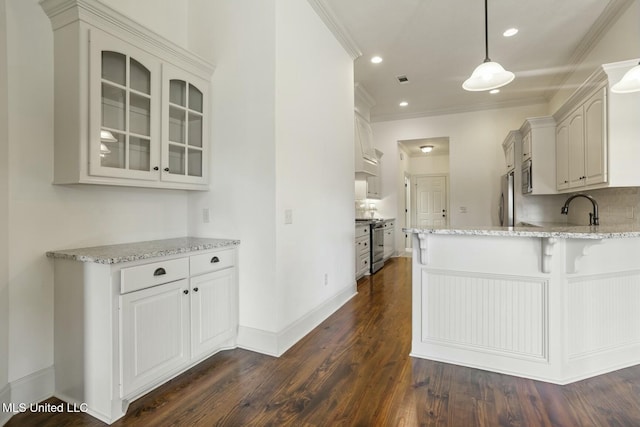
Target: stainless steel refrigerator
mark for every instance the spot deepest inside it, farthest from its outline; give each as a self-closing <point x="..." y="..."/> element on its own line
<point x="506" y="206"/>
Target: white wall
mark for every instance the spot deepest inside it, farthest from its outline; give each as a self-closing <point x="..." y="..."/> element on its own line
<point x="476" y="159"/>
<point x="282" y="139"/>
<point x="429" y="165"/>
<point x="42" y="216"/>
<point x="4" y="216"/>
<point x="619" y="43"/>
<point x="165" y="17"/>
<point x="314" y="158"/>
<point x="239" y="37"/>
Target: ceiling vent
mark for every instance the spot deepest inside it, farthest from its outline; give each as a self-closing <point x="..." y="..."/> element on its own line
<point x="402" y="79"/>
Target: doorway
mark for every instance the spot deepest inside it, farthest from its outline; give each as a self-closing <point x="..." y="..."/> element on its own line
<point x="407" y="211"/>
<point x="431" y="201"/>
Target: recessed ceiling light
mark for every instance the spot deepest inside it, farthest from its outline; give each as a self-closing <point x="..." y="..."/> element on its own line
<point x="494" y="91"/>
<point x="403" y="104"/>
<point x="510" y="32"/>
<point x="376" y="60"/>
<point x="426" y="148"/>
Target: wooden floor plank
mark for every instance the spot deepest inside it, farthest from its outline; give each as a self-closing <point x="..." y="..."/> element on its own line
<point x="355" y="370"/>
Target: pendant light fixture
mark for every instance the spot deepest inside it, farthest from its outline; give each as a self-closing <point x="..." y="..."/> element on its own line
<point x="630" y="82"/>
<point x="488" y="75"/>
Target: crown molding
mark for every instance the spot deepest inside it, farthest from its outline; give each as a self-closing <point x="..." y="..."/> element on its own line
<point x="97" y="14"/>
<point x="607" y="18"/>
<point x="328" y="16"/>
<point x="363" y="95"/>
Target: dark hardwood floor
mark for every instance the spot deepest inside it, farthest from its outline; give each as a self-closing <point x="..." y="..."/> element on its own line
<point x="355" y="370"/>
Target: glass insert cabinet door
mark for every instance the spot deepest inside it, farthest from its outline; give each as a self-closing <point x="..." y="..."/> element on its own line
<point x="124" y="98"/>
<point x="184" y="139"/>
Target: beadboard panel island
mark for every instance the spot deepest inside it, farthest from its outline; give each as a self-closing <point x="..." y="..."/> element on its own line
<point x="551" y="303"/>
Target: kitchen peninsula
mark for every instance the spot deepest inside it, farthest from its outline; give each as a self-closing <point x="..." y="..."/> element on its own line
<point x="551" y="303"/>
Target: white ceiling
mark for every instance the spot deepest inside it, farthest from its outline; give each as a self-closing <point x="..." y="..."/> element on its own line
<point x="438" y="43"/>
<point x="412" y="146"/>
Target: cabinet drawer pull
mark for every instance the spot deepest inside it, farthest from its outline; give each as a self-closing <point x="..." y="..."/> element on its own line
<point x="186" y="291"/>
<point x="215" y="259"/>
<point x="159" y="272"/>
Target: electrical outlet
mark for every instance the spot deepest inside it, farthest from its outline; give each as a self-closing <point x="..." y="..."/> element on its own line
<point x="326" y="279"/>
<point x="205" y="215"/>
<point x="288" y="216"/>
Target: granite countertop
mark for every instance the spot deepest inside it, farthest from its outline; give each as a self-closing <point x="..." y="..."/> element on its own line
<point x="566" y="231"/>
<point x="126" y="252"/>
<point x="370" y="220"/>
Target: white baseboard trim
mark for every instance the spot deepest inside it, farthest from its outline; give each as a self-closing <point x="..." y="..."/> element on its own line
<point x="34" y="388"/>
<point x="276" y="343"/>
<point x="5" y="400"/>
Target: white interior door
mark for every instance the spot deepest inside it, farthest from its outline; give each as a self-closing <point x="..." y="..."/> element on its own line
<point x="431" y="201"/>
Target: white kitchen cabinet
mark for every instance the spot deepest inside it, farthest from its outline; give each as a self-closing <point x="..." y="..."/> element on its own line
<point x="562" y="155"/>
<point x="184" y="129"/>
<point x="363" y="250"/>
<point x="118" y="119"/>
<point x="526" y="146"/>
<point x="155" y="334"/>
<point x="213" y="311"/>
<point x="374" y="190"/>
<point x="538" y="139"/>
<point x="389" y="240"/>
<point x="127" y="323"/>
<point x="508" y="146"/>
<point x="370" y="186"/>
<point x="366" y="161"/>
<point x="581" y="144"/>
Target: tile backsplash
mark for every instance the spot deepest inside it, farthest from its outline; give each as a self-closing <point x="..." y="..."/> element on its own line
<point x="615" y="205"/>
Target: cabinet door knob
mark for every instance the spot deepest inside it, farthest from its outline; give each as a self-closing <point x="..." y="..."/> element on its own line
<point x="186" y="291"/>
<point x="215" y="259"/>
<point x="159" y="272"/>
<point x="155" y="168"/>
<point x="166" y="169"/>
<point x="195" y="289"/>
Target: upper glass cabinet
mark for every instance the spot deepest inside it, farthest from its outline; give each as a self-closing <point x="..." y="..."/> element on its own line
<point x="185" y="137"/>
<point x="131" y="107"/>
<point x="125" y="135"/>
<point x="124" y="140"/>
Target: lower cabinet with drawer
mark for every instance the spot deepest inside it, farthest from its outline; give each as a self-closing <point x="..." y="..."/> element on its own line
<point x="123" y="329"/>
<point x="363" y="250"/>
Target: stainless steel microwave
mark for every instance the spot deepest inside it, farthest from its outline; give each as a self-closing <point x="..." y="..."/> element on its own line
<point x="527" y="180"/>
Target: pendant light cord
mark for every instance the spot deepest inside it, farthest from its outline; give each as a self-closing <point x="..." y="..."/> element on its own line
<point x="486" y="33"/>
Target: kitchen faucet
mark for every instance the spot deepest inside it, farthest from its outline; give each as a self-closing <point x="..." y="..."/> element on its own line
<point x="593" y="216"/>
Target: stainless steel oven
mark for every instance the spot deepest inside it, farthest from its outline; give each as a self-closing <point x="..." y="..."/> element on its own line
<point x="377" y="246"/>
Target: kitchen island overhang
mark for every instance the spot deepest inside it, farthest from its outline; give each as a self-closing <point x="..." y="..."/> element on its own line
<point x="557" y="304"/>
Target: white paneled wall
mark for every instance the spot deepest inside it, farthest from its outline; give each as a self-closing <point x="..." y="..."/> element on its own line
<point x="459" y="309"/>
<point x="604" y="313"/>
